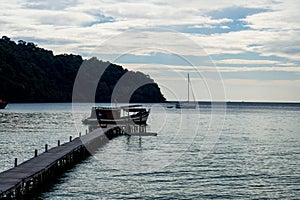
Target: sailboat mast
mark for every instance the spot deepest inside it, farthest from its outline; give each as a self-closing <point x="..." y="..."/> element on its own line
<point x="188" y="87"/>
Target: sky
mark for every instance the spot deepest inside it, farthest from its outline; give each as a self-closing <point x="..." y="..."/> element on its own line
<point x="233" y="50"/>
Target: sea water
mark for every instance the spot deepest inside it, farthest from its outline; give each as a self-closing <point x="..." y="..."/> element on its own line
<point x="232" y="152"/>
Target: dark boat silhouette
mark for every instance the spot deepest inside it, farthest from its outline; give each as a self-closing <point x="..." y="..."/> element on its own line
<point x="3" y="104"/>
<point x="132" y="114"/>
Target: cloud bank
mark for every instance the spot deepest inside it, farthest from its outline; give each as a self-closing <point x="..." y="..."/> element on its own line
<point x="238" y="36"/>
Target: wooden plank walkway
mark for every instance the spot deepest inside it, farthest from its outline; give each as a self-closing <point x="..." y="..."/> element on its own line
<point x="23" y="178"/>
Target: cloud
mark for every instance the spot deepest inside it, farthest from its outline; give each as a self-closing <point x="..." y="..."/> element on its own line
<point x="236" y="12"/>
<point x="200" y="69"/>
<point x="224" y="27"/>
<point x="255" y="83"/>
<point x="236" y="87"/>
<point x="48" y="4"/>
<point x="248" y="38"/>
<point x="262" y="90"/>
<point x="202" y="26"/>
<point x="259" y="69"/>
<point x="149" y="42"/>
<point x="267" y="43"/>
<point x="267" y="28"/>
<point x="283" y="16"/>
<point x="244" y="61"/>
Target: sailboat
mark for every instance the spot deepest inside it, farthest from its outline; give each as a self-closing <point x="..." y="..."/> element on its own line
<point x="188" y="104"/>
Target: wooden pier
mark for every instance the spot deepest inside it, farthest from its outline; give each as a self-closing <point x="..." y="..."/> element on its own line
<point x="38" y="173"/>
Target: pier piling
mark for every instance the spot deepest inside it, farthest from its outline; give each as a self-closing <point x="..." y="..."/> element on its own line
<point x="35" y="175"/>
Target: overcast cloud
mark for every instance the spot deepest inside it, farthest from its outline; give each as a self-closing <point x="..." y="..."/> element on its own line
<point x="238" y="36"/>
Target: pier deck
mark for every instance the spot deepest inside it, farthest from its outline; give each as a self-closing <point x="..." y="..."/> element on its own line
<point x="46" y="167"/>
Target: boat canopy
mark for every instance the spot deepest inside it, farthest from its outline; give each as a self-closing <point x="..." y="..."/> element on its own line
<point x="134" y="109"/>
<point x="114" y="112"/>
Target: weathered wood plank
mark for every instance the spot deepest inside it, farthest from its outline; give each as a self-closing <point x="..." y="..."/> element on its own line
<point x="36" y="166"/>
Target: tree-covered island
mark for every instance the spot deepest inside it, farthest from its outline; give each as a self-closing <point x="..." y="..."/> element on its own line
<point x="32" y="74"/>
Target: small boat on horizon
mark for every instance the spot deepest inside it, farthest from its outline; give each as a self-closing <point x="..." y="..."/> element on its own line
<point x="131" y="114"/>
<point x="3" y="104"/>
<point x="188" y="104"/>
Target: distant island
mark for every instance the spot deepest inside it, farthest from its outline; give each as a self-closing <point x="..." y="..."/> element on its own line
<point x="31" y="74"/>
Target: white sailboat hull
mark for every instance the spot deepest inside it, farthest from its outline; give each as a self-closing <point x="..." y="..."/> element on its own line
<point x="187" y="105"/>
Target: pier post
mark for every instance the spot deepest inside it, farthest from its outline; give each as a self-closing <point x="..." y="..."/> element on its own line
<point x="28" y="179"/>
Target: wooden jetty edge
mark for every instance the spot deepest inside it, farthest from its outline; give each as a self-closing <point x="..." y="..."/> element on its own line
<point x="38" y="173"/>
<point x="35" y="175"/>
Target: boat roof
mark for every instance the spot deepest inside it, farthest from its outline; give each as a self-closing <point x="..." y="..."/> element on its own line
<point x="134" y="109"/>
<point x="129" y="108"/>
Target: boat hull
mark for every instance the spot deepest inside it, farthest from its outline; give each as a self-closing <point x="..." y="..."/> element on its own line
<point x="139" y="119"/>
<point x="186" y="105"/>
<point x="3" y="105"/>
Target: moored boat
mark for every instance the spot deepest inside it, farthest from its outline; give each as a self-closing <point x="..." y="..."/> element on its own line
<point x="3" y="104"/>
<point x="132" y="114"/>
<point x="188" y="104"/>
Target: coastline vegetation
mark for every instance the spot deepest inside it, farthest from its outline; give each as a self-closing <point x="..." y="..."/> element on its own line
<point x="30" y="74"/>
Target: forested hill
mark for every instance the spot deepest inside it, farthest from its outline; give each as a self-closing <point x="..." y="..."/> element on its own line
<point x="32" y="74"/>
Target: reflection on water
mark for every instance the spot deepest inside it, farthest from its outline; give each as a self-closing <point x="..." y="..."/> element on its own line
<point x="26" y="127"/>
<point x="256" y="156"/>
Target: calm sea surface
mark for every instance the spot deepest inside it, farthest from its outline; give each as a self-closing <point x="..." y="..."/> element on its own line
<point x="234" y="152"/>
